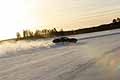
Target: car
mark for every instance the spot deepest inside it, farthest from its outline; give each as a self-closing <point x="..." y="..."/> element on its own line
<point x="65" y="39"/>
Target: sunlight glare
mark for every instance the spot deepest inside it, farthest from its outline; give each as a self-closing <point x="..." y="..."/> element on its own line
<point x="15" y="16"/>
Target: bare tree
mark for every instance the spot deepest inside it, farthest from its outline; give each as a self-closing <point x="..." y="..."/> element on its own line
<point x="114" y="20"/>
<point x="18" y="35"/>
<point x="31" y="34"/>
<point x="118" y="19"/>
<point x="24" y="33"/>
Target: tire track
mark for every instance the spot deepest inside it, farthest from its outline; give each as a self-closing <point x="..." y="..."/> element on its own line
<point x="5" y="72"/>
<point x="82" y="67"/>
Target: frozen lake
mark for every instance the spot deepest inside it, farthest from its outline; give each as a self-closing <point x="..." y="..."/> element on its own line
<point x="96" y="56"/>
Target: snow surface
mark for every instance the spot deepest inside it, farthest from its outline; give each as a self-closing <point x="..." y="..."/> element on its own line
<point x="96" y="56"/>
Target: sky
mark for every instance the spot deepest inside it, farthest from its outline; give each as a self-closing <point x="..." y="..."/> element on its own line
<point x="16" y="15"/>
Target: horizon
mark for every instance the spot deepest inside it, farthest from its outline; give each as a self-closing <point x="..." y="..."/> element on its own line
<point x="70" y="14"/>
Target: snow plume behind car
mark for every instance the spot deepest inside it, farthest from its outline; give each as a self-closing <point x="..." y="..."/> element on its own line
<point x="16" y="48"/>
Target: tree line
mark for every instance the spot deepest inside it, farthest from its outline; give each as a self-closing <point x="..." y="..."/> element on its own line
<point x="47" y="33"/>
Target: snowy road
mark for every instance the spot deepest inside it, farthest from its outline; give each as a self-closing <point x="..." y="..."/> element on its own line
<point x="95" y="58"/>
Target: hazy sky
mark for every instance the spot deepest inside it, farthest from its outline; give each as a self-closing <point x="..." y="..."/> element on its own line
<point x="16" y="15"/>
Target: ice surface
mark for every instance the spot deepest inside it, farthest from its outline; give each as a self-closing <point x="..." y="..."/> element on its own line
<point x="96" y="56"/>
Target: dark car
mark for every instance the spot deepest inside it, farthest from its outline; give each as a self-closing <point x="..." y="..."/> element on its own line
<point x="65" y="39"/>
